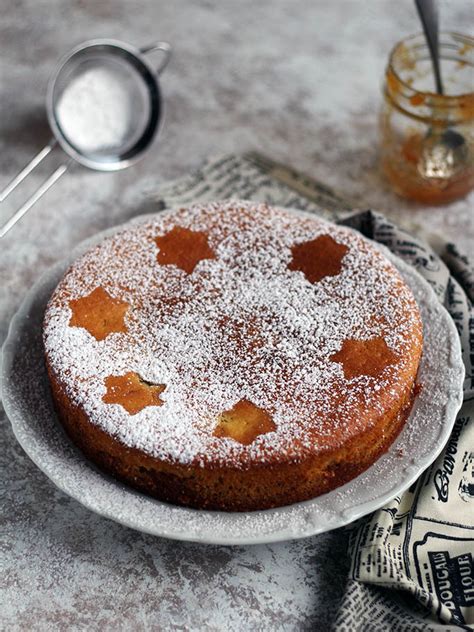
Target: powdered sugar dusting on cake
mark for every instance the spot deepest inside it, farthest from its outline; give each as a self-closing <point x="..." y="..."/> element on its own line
<point x="242" y="325"/>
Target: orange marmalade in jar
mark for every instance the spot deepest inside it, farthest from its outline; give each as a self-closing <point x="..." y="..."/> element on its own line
<point x="427" y="139"/>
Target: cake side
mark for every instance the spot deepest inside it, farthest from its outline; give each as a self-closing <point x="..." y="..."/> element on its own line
<point x="264" y="486"/>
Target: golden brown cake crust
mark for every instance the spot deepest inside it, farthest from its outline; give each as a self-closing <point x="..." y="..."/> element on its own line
<point x="276" y="423"/>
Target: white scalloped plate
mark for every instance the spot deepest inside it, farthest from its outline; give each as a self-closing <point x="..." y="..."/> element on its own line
<point x="27" y="402"/>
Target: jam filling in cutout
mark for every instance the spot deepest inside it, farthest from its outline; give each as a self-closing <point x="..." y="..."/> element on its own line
<point x="99" y="314"/>
<point x="183" y="248"/>
<point x="132" y="392"/>
<point x="244" y="422"/>
<point x="318" y="258"/>
<point x="364" y="357"/>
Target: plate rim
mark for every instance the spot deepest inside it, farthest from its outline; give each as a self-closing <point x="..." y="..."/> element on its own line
<point x="348" y="515"/>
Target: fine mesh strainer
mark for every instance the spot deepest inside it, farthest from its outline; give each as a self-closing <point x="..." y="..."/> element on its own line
<point x="104" y="108"/>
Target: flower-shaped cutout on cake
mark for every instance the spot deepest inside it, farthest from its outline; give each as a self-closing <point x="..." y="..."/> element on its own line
<point x="364" y="357"/>
<point x="318" y="258"/>
<point x="244" y="422"/>
<point x="132" y="392"/>
<point x="184" y="248"/>
<point x="99" y="313"/>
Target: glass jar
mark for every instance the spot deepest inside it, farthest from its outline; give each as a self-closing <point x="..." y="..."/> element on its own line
<point x="427" y="139"/>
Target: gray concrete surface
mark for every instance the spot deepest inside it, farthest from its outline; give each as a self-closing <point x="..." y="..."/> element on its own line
<point x="299" y="81"/>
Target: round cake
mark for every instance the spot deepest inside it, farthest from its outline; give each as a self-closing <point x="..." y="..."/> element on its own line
<point x="233" y="355"/>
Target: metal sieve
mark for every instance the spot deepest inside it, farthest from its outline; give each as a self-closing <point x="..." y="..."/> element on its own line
<point x="137" y="92"/>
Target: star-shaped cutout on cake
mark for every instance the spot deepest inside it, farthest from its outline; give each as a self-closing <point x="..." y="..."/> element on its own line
<point x="183" y="248"/>
<point x="99" y="313"/>
<point x="244" y="422"/>
<point x="364" y="357"/>
<point x="318" y="258"/>
<point x="132" y="392"/>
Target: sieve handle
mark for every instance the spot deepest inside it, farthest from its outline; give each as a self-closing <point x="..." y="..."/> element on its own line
<point x="47" y="184"/>
<point x="164" y="48"/>
<point x="34" y="162"/>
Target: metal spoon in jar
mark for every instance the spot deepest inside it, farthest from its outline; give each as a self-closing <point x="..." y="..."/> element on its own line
<point x="444" y="152"/>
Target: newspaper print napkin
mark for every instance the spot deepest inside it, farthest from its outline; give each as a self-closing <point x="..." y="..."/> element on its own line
<point x="422" y="543"/>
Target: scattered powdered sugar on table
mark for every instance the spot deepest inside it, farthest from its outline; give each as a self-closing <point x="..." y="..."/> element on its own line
<point x="241" y="326"/>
